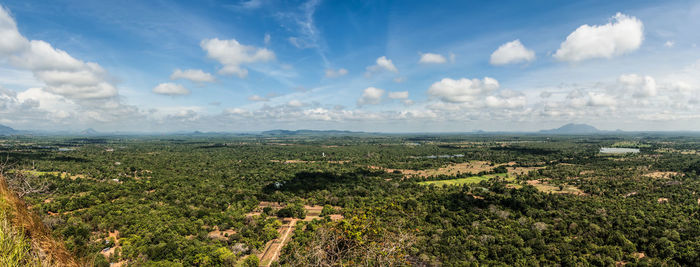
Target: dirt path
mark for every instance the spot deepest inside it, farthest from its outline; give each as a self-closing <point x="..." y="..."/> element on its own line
<point x="273" y="250"/>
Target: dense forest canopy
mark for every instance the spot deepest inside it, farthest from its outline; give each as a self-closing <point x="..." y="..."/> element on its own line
<point x="365" y="200"/>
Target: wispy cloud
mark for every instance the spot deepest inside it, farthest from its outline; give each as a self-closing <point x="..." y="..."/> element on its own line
<point x="305" y="33"/>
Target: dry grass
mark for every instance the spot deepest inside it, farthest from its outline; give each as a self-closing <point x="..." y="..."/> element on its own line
<point x="452" y="169"/>
<point x="221" y="235"/>
<point x="466" y="180"/>
<point x="15" y="247"/>
<point x="662" y="175"/>
<point x="50" y="251"/>
<point x="292" y="161"/>
<point x="473" y="167"/>
<point x="681" y="151"/>
<point x="544" y="186"/>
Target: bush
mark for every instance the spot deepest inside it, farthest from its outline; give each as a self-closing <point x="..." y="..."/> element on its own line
<point x="251" y="261"/>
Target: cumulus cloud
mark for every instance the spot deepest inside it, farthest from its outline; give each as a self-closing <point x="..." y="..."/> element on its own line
<point x="511" y="53"/>
<point x="63" y="74"/>
<point x="71" y="90"/>
<point x="639" y="86"/>
<point x="233" y="55"/>
<point x="398" y="95"/>
<point x="171" y="89"/>
<point x="601" y="100"/>
<point x="621" y="35"/>
<point x="430" y="58"/>
<point x="506" y="99"/>
<point x="462" y="90"/>
<point x="331" y="73"/>
<point x="370" y="96"/>
<point x="12" y="41"/>
<point x="382" y="64"/>
<point x="194" y="75"/>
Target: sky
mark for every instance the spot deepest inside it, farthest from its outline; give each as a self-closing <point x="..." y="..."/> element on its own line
<point x="380" y="66"/>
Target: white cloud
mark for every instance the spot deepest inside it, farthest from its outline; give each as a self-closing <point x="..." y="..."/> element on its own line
<point x="171" y="89"/>
<point x="267" y="38"/>
<point x="68" y="84"/>
<point x="462" y="90"/>
<point x="296" y="42"/>
<point x="621" y="35"/>
<point x="506" y="99"/>
<point x="669" y="44"/>
<point x="63" y="74"/>
<point x="295" y="103"/>
<point x="370" y="96"/>
<point x="601" y="100"/>
<point x="640" y="86"/>
<point x="232" y="55"/>
<point x="331" y="73"/>
<point x="12" y="41"/>
<point x="430" y="58"/>
<point x="194" y="75"/>
<point x="258" y="98"/>
<point x="382" y="64"/>
<point x="237" y="111"/>
<point x="398" y="95"/>
<point x="250" y="4"/>
<point x="511" y="53"/>
<point x="56" y="106"/>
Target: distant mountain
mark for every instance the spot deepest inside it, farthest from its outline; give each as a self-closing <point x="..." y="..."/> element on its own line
<point x="89" y="131"/>
<point x="310" y="132"/>
<point x="4" y="130"/>
<point x="573" y="129"/>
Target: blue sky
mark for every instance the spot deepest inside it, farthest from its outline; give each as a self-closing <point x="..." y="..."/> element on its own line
<point x="393" y="66"/>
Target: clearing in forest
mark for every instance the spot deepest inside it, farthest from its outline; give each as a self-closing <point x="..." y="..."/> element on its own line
<point x="473" y="167"/>
<point x="291" y="161"/>
<point x="544" y="186"/>
<point x="220" y="235"/>
<point x="452" y="169"/>
<point x="53" y="173"/>
<point x="467" y="180"/>
<point x="662" y="175"/>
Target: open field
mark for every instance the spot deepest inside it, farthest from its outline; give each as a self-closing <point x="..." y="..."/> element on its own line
<point x="473" y="167"/>
<point x="545" y="187"/>
<point x="467" y="180"/>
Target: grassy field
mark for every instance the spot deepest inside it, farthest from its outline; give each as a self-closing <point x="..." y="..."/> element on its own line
<point x="468" y="180"/>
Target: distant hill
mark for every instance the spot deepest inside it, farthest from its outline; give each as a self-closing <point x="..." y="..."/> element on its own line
<point x="89" y="131"/>
<point x="572" y="128"/>
<point x="310" y="132"/>
<point x="4" y="130"/>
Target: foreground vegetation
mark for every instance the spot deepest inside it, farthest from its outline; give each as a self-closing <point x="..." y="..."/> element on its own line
<point x="196" y="201"/>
